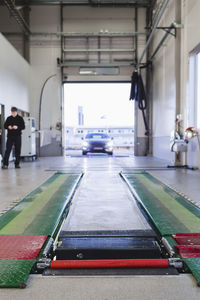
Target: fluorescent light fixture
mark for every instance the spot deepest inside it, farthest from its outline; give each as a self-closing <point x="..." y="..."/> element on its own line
<point x="99" y="71"/>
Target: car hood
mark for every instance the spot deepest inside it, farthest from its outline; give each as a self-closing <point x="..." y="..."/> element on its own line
<point x="98" y="141"/>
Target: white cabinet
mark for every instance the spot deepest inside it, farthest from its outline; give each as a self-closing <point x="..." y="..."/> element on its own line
<point x="29" y="138"/>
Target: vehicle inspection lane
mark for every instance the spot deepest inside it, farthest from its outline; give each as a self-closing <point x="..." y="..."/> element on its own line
<point x="103" y="202"/>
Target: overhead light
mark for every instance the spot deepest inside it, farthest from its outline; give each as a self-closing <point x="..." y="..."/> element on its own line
<point x="19" y="7"/>
<point x="87" y="72"/>
<point x="99" y="71"/>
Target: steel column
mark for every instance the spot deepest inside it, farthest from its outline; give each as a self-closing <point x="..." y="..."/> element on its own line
<point x="62" y="80"/>
<point x="26" y="38"/>
<point x="178" y="155"/>
<point x="136" y="110"/>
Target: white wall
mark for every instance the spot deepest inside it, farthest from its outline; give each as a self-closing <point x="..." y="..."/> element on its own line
<point x="190" y="40"/>
<point x="46" y="49"/>
<point x="164" y="87"/>
<point x="93" y="20"/>
<point x="14" y="78"/>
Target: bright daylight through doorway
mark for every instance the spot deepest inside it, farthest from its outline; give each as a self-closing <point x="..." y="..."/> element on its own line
<point x="102" y="108"/>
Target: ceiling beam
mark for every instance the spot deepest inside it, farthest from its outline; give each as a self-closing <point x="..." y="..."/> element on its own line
<point x="138" y="3"/>
<point x="15" y="13"/>
<point x="81" y="35"/>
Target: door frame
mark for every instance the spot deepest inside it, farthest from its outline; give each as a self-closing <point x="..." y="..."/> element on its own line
<point x="3" y="139"/>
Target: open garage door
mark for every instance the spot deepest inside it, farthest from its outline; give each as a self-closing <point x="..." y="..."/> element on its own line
<point x="98" y="111"/>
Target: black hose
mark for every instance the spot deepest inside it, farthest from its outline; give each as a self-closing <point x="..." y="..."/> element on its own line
<point x="138" y="94"/>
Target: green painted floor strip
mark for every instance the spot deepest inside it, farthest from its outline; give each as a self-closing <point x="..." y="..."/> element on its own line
<point x="194" y="266"/>
<point x="15" y="272"/>
<point x="170" y="212"/>
<point x="11" y="214"/>
<point x="53" y="210"/>
<point x="39" y="212"/>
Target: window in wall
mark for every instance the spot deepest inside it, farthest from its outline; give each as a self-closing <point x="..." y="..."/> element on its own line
<point x="198" y="92"/>
<point x="194" y="91"/>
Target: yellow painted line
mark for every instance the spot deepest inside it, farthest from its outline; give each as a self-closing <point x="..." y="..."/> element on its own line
<point x="28" y="214"/>
<point x="13" y="204"/>
<point x="174" y="189"/>
<point x="191" y="221"/>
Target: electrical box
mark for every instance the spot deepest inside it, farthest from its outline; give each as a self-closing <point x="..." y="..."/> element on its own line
<point x="29" y="138"/>
<point x="178" y="145"/>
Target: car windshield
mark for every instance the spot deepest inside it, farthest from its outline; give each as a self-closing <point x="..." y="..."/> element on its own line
<point x="97" y="136"/>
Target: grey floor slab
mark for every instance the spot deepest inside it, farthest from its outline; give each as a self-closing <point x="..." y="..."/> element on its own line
<point x="14" y="184"/>
<point x="103" y="202"/>
<point x="106" y="288"/>
<point x="185" y="181"/>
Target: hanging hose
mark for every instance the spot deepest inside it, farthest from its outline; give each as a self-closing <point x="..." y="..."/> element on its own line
<point x="138" y="94"/>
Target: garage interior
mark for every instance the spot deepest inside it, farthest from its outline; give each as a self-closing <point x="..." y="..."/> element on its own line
<point x="121" y="226"/>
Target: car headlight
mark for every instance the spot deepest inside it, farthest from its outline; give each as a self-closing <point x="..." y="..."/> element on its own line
<point x="110" y="144"/>
<point x="85" y="144"/>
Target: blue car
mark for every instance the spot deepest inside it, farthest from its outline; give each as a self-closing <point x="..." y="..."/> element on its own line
<point x="97" y="143"/>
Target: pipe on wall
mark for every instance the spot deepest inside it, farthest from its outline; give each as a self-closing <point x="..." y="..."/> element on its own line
<point x="40" y="108"/>
<point x="153" y="31"/>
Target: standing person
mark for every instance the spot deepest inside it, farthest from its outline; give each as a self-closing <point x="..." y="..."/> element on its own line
<point x="14" y="124"/>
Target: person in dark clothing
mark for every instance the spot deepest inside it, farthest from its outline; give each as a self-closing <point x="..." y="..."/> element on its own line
<point x="14" y="124"/>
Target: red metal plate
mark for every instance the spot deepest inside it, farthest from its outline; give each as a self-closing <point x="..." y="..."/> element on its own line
<point x="21" y="246"/>
<point x="189" y="244"/>
<point x="187" y="234"/>
<point x="187" y="240"/>
<point x="188" y="251"/>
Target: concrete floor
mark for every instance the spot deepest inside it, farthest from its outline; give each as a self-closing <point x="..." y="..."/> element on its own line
<point x="103" y="202"/>
<point x="15" y="184"/>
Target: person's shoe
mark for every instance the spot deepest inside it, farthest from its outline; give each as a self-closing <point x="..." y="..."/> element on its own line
<point x="4" y="167"/>
<point x="17" y="167"/>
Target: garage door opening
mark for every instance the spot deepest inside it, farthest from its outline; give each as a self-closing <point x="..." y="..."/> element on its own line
<point x="98" y="111"/>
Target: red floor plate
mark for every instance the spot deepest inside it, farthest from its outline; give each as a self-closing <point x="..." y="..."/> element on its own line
<point x="21" y="247"/>
<point x="189" y="244"/>
<point x="188" y="240"/>
<point x="187" y="234"/>
<point x="188" y="251"/>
